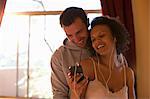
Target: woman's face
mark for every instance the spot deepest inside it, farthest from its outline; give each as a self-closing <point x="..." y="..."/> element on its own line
<point x="102" y="39"/>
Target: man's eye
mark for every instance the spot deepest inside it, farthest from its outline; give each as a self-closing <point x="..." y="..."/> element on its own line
<point x="70" y="36"/>
<point x="101" y="36"/>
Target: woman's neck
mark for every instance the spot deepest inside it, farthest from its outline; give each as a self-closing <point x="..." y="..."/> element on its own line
<point x="109" y="59"/>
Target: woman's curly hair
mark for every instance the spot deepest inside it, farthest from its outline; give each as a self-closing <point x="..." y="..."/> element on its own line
<point x="118" y="31"/>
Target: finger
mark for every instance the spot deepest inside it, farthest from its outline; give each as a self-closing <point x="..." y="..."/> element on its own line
<point x="71" y="78"/>
<point x="81" y="78"/>
<point x="77" y="76"/>
<point x="83" y="84"/>
<point x="69" y="74"/>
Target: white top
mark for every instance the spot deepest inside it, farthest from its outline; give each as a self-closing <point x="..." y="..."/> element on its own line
<point x="96" y="90"/>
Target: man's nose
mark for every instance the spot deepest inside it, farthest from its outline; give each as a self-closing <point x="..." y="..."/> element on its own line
<point x="76" y="39"/>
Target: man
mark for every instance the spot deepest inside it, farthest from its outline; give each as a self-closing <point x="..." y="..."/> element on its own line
<point x="75" y="23"/>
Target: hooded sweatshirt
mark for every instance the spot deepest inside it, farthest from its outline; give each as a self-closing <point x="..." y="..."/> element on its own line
<point x="66" y="55"/>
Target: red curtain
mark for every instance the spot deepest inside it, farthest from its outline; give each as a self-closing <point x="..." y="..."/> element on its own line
<point x="123" y="10"/>
<point x="2" y="7"/>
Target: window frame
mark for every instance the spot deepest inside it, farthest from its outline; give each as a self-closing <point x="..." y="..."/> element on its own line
<point x="57" y="12"/>
<point x="38" y="13"/>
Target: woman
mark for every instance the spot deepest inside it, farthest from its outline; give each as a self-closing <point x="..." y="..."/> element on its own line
<point x="107" y="75"/>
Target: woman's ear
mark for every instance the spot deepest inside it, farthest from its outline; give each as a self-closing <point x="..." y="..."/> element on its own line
<point x="115" y="40"/>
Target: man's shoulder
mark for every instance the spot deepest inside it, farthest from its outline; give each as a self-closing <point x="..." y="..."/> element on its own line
<point x="57" y="54"/>
<point x="59" y="50"/>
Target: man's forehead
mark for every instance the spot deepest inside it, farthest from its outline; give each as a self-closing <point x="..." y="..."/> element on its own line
<point x="73" y="30"/>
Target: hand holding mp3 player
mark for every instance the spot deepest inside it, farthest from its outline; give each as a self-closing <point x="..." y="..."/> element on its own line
<point x="77" y="69"/>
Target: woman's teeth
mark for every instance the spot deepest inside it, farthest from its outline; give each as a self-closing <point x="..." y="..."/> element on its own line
<point x="100" y="46"/>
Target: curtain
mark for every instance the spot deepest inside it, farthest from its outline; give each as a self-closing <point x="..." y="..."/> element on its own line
<point x="123" y="10"/>
<point x="2" y="7"/>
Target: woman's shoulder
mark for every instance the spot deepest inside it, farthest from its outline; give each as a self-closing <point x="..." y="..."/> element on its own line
<point x="87" y="61"/>
<point x="129" y="71"/>
<point x="130" y="75"/>
<point x="87" y="66"/>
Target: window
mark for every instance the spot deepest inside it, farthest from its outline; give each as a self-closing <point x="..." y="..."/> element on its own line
<point x="29" y="34"/>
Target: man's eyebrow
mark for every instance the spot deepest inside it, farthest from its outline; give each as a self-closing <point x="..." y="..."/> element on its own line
<point x="68" y="34"/>
<point x="79" y="31"/>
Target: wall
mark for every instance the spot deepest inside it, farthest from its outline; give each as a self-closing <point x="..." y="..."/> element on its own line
<point x="141" y="11"/>
<point x="8" y="82"/>
<point x="38" y="77"/>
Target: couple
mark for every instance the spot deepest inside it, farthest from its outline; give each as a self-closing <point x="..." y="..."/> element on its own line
<point x="99" y="52"/>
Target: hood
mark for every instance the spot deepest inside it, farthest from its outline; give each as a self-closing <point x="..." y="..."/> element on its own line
<point x="70" y="45"/>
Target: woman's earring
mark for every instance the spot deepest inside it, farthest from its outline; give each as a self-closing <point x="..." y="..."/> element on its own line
<point x="115" y="40"/>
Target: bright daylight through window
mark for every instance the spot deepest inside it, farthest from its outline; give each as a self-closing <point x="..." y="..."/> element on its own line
<point x="29" y="34"/>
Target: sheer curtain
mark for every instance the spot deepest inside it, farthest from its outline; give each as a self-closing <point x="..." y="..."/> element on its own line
<point x="2" y="7"/>
<point x="123" y="10"/>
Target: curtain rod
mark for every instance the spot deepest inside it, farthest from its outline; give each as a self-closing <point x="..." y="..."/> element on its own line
<point x="51" y="12"/>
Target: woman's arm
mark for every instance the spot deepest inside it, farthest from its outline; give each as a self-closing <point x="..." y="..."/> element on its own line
<point x="78" y="89"/>
<point x="130" y="83"/>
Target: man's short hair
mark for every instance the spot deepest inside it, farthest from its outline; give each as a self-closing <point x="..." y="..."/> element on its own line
<point x="69" y="15"/>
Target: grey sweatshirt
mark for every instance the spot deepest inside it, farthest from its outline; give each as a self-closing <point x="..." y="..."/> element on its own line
<point x="66" y="55"/>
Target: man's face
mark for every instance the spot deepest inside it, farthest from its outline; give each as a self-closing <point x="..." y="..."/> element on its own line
<point x="77" y="33"/>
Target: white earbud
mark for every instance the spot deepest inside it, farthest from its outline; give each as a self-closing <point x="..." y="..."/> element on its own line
<point x="115" y="40"/>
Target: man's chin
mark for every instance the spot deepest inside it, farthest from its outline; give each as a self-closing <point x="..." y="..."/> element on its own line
<point x="81" y="45"/>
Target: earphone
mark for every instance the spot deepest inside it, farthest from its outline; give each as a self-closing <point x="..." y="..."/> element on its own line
<point x="115" y="40"/>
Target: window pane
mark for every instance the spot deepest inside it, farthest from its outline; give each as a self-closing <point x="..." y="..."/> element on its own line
<point x="50" y="5"/>
<point x="29" y="41"/>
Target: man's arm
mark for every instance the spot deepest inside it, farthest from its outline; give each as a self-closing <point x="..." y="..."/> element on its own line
<point x="58" y="80"/>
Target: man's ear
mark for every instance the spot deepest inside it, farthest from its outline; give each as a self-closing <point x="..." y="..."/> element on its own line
<point x="88" y="23"/>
